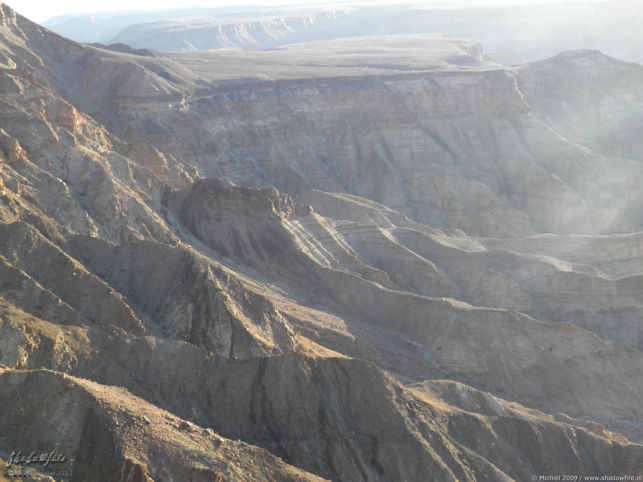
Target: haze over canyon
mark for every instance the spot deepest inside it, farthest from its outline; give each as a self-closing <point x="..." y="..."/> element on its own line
<point x="286" y="253"/>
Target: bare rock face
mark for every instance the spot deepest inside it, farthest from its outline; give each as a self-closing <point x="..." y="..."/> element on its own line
<point x="404" y="141"/>
<point x="226" y="266"/>
<point x="603" y="96"/>
<point x="190" y="298"/>
<point x="111" y="435"/>
<point x="512" y="33"/>
<point x="323" y="413"/>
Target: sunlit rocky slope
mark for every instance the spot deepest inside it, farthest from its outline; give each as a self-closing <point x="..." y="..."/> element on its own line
<point x="378" y="259"/>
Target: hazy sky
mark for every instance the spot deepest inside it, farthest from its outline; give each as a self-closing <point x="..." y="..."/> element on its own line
<point x="39" y="10"/>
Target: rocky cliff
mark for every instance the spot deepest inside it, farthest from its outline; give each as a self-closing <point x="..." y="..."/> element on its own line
<point x="513" y="32"/>
<point x="393" y="262"/>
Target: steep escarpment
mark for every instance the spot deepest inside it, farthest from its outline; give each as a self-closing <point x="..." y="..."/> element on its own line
<point x="210" y="33"/>
<point x="512" y="32"/>
<point x="111" y="434"/>
<point x="321" y="414"/>
<point x="61" y="168"/>
<point x="217" y="272"/>
<point x="372" y="273"/>
<point x="407" y="142"/>
<point x="459" y="149"/>
<point x="190" y="298"/>
<point x="599" y="108"/>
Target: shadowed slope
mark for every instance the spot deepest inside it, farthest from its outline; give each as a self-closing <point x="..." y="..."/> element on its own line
<point x="271" y="320"/>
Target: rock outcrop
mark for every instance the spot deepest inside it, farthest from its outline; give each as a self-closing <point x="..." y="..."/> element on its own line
<point x="112" y="435"/>
<point x="255" y="270"/>
<point x="512" y="33"/>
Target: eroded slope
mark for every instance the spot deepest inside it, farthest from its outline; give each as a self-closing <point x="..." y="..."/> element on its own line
<point x="293" y="323"/>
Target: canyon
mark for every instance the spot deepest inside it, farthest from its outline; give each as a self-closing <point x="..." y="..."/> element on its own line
<point x="378" y="258"/>
<point x="512" y="32"/>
